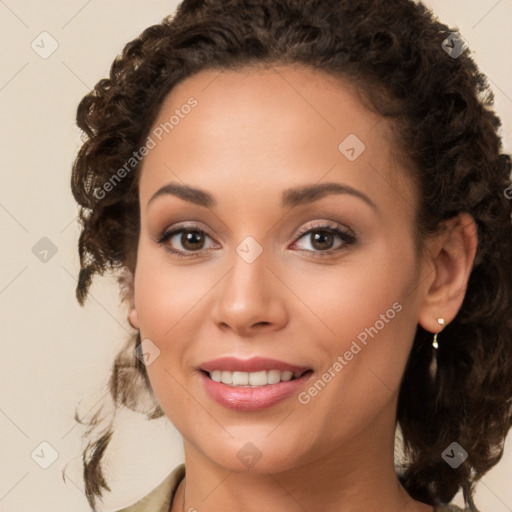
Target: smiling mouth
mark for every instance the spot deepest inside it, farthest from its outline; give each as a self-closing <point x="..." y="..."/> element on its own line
<point x="253" y="379"/>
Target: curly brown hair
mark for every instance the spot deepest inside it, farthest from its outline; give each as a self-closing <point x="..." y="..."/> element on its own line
<point x="445" y="128"/>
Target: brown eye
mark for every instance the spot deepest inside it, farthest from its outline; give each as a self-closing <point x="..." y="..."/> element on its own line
<point x="321" y="240"/>
<point x="192" y="240"/>
<point x="184" y="241"/>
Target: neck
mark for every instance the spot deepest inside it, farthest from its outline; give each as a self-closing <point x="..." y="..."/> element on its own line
<point x="357" y="477"/>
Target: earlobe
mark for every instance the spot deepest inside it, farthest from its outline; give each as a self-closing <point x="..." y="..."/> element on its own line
<point x="452" y="256"/>
<point x="133" y="319"/>
<point x="128" y="291"/>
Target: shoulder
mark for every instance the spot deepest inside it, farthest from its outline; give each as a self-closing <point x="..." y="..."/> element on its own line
<point x="451" y="508"/>
<point x="160" y="498"/>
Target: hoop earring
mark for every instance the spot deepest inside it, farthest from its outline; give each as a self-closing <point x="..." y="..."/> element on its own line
<point x="435" y="344"/>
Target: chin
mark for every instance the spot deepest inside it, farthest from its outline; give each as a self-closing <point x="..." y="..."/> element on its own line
<point x="259" y="455"/>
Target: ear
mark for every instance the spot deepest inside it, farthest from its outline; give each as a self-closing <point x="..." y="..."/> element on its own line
<point x="450" y="258"/>
<point x="128" y="294"/>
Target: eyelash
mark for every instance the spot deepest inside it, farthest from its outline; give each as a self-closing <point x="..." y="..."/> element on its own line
<point x="347" y="238"/>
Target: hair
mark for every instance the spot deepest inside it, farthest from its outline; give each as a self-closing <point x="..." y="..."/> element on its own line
<point x="443" y="125"/>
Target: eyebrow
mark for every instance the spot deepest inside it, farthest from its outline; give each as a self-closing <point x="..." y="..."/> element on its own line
<point x="310" y="193"/>
<point x="291" y="197"/>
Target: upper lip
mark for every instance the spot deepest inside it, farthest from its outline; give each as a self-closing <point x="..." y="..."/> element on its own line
<point x="254" y="364"/>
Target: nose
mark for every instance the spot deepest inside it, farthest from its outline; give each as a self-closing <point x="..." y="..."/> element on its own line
<point x="250" y="299"/>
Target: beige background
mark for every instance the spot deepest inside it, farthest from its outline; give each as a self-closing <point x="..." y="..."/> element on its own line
<point x="54" y="353"/>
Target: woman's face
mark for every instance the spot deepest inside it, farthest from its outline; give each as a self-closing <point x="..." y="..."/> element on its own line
<point x="297" y="246"/>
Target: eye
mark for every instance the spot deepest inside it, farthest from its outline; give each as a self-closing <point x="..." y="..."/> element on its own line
<point x="191" y="239"/>
<point x="322" y="237"/>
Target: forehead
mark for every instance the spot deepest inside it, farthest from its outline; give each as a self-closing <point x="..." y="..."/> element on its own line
<point x="269" y="127"/>
<point x="279" y="95"/>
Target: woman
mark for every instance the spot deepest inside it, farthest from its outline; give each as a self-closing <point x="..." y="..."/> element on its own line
<point x="310" y="212"/>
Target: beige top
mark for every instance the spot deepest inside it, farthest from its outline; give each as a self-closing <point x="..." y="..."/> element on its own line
<point x="160" y="498"/>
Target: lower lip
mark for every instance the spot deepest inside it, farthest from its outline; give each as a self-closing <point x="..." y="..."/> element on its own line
<point x="252" y="398"/>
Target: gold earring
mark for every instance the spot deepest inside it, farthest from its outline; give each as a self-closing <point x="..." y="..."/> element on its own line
<point x="440" y="321"/>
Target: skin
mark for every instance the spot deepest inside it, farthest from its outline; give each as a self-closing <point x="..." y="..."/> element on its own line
<point x="254" y="133"/>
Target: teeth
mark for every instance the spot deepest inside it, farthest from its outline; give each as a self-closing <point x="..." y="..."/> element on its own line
<point x="255" y="378"/>
<point x="240" y="379"/>
<point x="252" y="378"/>
<point x="227" y="377"/>
<point x="273" y="376"/>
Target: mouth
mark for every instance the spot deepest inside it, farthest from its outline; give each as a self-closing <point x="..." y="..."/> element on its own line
<point x="256" y="390"/>
<point x="253" y="379"/>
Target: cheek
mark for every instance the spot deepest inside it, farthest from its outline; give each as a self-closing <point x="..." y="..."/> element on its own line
<point x="352" y="297"/>
<point x="166" y="293"/>
<point x="367" y="318"/>
<point x="170" y="302"/>
<point x="163" y="296"/>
